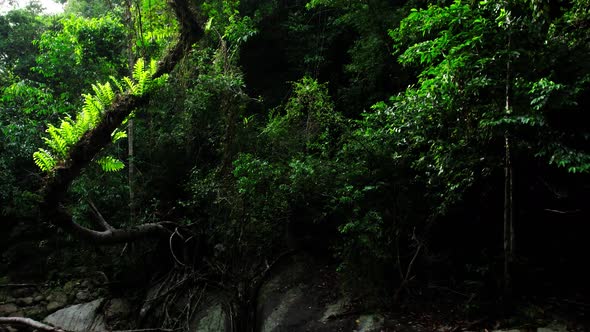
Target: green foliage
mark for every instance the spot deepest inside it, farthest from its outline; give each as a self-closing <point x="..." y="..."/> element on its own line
<point x="81" y="52"/>
<point x="62" y="138"/>
<point x="110" y="164"/>
<point x="154" y="27"/>
<point x="309" y="120"/>
<point x="227" y="22"/>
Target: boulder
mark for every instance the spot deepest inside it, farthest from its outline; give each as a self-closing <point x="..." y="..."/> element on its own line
<point x="83" y="296"/>
<point x="25" y="301"/>
<point x="298" y="297"/>
<point x="79" y="318"/>
<point x="370" y="323"/>
<point x="7" y="309"/>
<point x="213" y="319"/>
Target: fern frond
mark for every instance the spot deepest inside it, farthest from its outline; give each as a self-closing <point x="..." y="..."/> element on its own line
<point x="133" y="88"/>
<point x="153" y="67"/>
<point x="93" y="108"/>
<point x="56" y="141"/>
<point x="104" y="94"/>
<point x="110" y="164"/>
<point x="138" y="70"/>
<point x="117" y="135"/>
<point x="68" y="131"/>
<point x="117" y="83"/>
<point x="44" y="160"/>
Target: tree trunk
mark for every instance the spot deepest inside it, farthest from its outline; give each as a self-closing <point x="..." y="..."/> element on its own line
<point x="85" y="150"/>
<point x="508" y="188"/>
<point x="131" y="165"/>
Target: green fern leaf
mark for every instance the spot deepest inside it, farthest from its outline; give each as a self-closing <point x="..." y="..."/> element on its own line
<point x="117" y="135"/>
<point x="44" y="160"/>
<point x="133" y="88"/>
<point x="117" y="83"/>
<point x="110" y="164"/>
<point x="104" y="94"/>
<point x="56" y="141"/>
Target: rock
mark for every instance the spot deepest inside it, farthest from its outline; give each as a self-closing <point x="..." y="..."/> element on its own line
<point x="281" y="315"/>
<point x="38" y="298"/>
<point x="298" y="297"/>
<point x="70" y="287"/>
<point x="553" y="328"/>
<point x="9" y="328"/>
<point x="17" y="313"/>
<point x="83" y="296"/>
<point x="335" y="309"/>
<point x="7" y="309"/>
<point x="58" y="297"/>
<point x="117" y="309"/>
<point x="23" y="292"/>
<point x="52" y="306"/>
<point x="213" y="320"/>
<point x="25" y="301"/>
<point x="370" y="323"/>
<point x="79" y="318"/>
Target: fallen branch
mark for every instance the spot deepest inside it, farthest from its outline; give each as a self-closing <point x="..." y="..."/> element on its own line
<point x="19" y="285"/>
<point x="22" y="321"/>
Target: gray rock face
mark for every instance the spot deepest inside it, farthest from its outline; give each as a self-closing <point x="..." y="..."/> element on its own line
<point x="298" y="297"/>
<point x="117" y="309"/>
<point x="213" y="320"/>
<point x="370" y="323"/>
<point x="83" y="296"/>
<point x="25" y="301"/>
<point x="79" y="318"/>
<point x="7" y="309"/>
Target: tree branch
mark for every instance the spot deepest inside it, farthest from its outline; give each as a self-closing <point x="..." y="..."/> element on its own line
<point x="82" y="153"/>
<point x="22" y="321"/>
<point x="99" y="218"/>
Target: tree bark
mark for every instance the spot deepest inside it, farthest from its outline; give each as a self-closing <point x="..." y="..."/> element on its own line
<point x="82" y="153"/>
<point x="131" y="164"/>
<point x="508" y="187"/>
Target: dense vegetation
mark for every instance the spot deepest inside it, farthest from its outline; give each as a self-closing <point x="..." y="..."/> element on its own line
<point x="415" y="144"/>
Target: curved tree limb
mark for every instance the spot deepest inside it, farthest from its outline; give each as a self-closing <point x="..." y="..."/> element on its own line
<point x="81" y="154"/>
<point x="22" y="321"/>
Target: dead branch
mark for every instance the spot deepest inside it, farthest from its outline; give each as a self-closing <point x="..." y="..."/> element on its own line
<point x="99" y="218"/>
<point x="406" y="277"/>
<point x="22" y="321"/>
<point x="19" y="285"/>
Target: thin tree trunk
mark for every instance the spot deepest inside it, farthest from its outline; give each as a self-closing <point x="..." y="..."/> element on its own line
<point x="131" y="166"/>
<point x="508" y="190"/>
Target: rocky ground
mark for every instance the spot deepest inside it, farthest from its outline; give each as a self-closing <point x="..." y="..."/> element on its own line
<point x="39" y="281"/>
<point x="298" y="296"/>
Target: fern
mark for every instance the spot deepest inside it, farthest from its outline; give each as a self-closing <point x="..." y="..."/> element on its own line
<point x="131" y="86"/>
<point x="56" y="141"/>
<point x="110" y="164"/>
<point x="62" y="138"/>
<point x="44" y="160"/>
<point x="117" y="135"/>
<point x="104" y="94"/>
<point x="117" y="83"/>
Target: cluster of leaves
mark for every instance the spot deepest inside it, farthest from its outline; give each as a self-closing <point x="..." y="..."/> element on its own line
<point x="70" y="131"/>
<point x="81" y="52"/>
